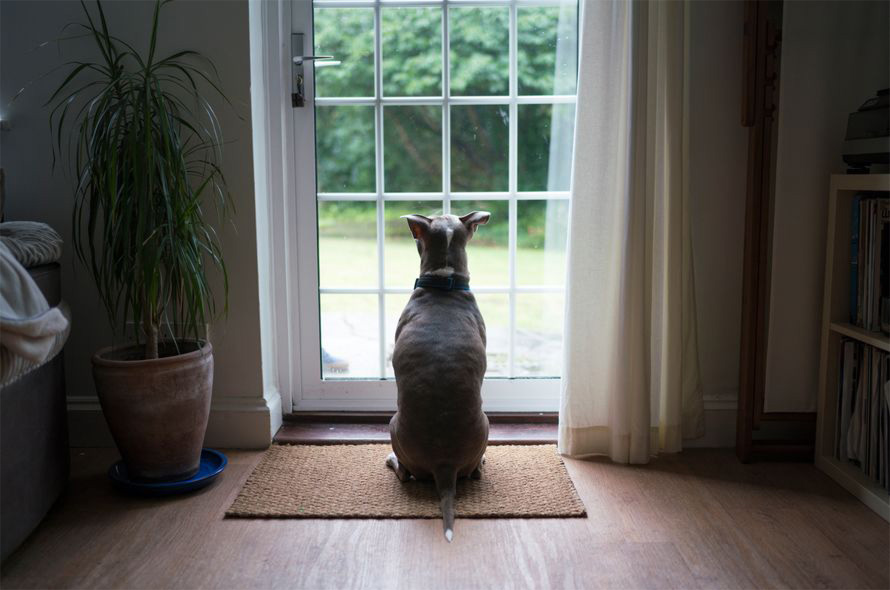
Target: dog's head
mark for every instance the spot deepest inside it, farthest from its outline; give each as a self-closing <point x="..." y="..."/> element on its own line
<point x="442" y="241"/>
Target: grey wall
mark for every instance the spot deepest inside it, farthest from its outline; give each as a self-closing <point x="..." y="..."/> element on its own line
<point x="219" y="30"/>
<point x="717" y="159"/>
<point x="835" y="55"/>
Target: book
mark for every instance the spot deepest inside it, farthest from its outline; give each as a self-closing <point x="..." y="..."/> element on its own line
<point x="873" y="409"/>
<point x="862" y="434"/>
<point x="869" y="259"/>
<point x="873" y="267"/>
<point x="854" y="431"/>
<point x="848" y="371"/>
<point x="854" y="258"/>
<point x="882" y="262"/>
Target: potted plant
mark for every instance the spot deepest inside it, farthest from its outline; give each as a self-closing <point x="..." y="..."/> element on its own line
<point x="145" y="147"/>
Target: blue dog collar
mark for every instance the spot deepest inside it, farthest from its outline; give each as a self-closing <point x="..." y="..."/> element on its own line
<point x="442" y="283"/>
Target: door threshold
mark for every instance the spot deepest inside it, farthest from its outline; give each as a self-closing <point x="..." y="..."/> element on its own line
<point x="357" y="433"/>
<point x="384" y="417"/>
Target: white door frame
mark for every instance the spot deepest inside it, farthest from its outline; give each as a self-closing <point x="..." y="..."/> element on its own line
<point x="275" y="181"/>
<point x="289" y="257"/>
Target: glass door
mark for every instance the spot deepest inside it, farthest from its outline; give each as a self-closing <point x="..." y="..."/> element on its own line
<point x="431" y="108"/>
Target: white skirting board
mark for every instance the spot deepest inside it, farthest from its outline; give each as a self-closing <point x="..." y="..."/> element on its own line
<point x="244" y="426"/>
<point x="235" y="423"/>
<point x="719" y="431"/>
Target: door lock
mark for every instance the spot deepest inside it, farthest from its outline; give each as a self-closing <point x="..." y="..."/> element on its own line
<point x="298" y="94"/>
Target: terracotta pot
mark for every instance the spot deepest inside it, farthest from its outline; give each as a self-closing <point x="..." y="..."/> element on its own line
<point x="157" y="409"/>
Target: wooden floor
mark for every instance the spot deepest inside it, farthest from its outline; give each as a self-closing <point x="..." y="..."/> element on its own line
<point x="695" y="520"/>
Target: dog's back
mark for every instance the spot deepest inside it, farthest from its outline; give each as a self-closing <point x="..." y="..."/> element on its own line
<point x="439" y="363"/>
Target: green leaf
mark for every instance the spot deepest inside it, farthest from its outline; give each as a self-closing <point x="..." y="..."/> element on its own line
<point x="144" y="143"/>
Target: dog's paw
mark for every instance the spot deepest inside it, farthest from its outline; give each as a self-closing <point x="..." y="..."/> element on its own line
<point x="477" y="473"/>
<point x="393" y="463"/>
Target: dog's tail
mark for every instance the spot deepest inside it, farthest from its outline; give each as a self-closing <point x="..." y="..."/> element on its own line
<point x="446" y="485"/>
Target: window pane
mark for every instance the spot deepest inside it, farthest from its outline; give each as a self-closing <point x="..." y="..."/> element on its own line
<point x="495" y="309"/>
<point x="487" y="251"/>
<point x="348" y="35"/>
<point x="545" y="147"/>
<point x="538" y="340"/>
<point x="541" y="242"/>
<point x="344" y="139"/>
<point x="411" y="141"/>
<point x="479" y="58"/>
<point x="547" y="43"/>
<point x="412" y="51"/>
<point x="347" y="244"/>
<point x="349" y="336"/>
<point x="412" y="148"/>
<point x="402" y="262"/>
<point x="479" y="150"/>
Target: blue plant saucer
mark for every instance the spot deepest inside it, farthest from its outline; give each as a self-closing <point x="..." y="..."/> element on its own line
<point x="212" y="464"/>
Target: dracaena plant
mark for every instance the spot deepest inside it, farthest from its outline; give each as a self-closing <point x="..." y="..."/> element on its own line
<point x="144" y="146"/>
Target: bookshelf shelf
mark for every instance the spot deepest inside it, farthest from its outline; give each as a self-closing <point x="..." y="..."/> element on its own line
<point x="835" y="327"/>
<point x="876" y="339"/>
<point x="853" y="480"/>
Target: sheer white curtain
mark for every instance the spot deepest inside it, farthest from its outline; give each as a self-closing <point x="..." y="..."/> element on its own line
<point x="630" y="385"/>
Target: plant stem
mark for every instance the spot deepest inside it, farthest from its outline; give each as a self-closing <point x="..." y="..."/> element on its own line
<point x="151" y="335"/>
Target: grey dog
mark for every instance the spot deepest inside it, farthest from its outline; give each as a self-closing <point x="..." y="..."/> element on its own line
<point x="439" y="431"/>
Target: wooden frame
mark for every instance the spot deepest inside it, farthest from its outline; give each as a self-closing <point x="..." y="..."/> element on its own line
<point x="835" y="326"/>
<point x="762" y="50"/>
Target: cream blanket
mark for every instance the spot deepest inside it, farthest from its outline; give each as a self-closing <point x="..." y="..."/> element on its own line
<point x="31" y="332"/>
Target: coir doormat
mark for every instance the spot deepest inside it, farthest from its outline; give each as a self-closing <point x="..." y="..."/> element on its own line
<point x="352" y="481"/>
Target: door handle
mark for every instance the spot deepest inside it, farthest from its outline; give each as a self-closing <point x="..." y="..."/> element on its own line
<point x="299" y="59"/>
<point x="298" y="94"/>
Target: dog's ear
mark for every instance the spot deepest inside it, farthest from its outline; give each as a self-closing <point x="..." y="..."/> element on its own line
<point x="420" y="225"/>
<point x="471" y="220"/>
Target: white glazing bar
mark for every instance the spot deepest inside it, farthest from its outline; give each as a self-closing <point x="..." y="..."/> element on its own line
<point x="412" y="196"/>
<point x="370" y="290"/>
<point x="347" y="196"/>
<point x="408" y="3"/>
<point x="402" y="3"/>
<point x="503" y="196"/>
<point x="462" y="196"/>
<point x="512" y="184"/>
<point x="479" y="100"/>
<point x="546" y="99"/>
<point x="344" y="3"/>
<point x="446" y="111"/>
<point x="337" y="101"/>
<point x="543" y="195"/>
<point x="378" y="164"/>
<point x="438" y="100"/>
<point x="480" y="196"/>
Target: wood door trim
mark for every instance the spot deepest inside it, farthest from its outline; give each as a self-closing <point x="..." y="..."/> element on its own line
<point x="761" y="58"/>
<point x="752" y="271"/>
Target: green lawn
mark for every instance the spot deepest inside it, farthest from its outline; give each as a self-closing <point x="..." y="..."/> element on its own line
<point x="347" y="262"/>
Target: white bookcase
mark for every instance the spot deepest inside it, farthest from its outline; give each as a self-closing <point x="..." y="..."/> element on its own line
<point x="835" y="326"/>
